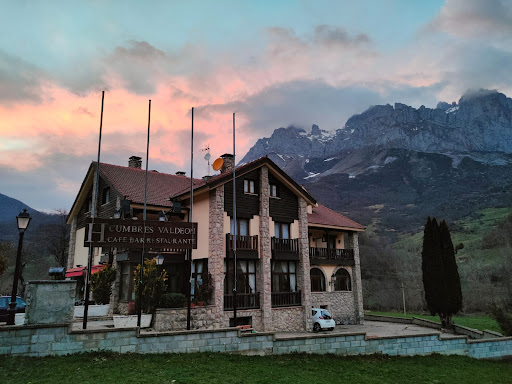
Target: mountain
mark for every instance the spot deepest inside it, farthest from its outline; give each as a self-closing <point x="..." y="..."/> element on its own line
<point x="398" y="164"/>
<point x="9" y="209"/>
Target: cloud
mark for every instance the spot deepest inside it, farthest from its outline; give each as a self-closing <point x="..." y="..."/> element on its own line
<point x="19" y="80"/>
<point x="304" y="103"/>
<point x="475" y="18"/>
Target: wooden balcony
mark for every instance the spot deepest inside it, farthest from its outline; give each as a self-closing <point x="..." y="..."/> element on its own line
<point x="286" y="299"/>
<point x="331" y="256"/>
<point x="243" y="300"/>
<point x="285" y="249"/>
<point x="246" y="246"/>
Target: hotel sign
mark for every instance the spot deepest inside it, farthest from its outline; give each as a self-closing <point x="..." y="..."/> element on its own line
<point x="123" y="233"/>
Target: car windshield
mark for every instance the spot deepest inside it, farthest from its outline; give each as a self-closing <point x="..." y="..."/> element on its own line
<point x="326" y="315"/>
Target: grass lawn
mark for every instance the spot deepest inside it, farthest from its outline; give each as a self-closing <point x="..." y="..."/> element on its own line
<point x="476" y="322"/>
<point x="224" y="368"/>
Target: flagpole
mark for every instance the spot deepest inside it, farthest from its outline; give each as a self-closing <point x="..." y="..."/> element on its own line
<point x="190" y="217"/>
<point x="235" y="225"/>
<point x="139" y="312"/>
<point x="93" y="215"/>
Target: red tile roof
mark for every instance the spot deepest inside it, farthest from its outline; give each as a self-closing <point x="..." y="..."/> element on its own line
<point x="130" y="182"/>
<point x="324" y="216"/>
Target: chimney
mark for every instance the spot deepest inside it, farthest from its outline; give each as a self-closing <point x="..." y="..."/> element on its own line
<point x="181" y="173"/>
<point x="229" y="163"/>
<point x="135" y="162"/>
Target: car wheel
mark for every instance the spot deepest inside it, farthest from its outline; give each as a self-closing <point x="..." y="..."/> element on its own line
<point x="331" y="329"/>
<point x="316" y="327"/>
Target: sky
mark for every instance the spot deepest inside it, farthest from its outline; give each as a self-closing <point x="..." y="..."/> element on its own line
<point x="273" y="63"/>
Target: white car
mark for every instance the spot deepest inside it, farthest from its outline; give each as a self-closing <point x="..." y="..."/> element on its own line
<point x="322" y="319"/>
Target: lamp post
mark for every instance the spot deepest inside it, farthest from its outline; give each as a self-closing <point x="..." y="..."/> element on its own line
<point x="23" y="221"/>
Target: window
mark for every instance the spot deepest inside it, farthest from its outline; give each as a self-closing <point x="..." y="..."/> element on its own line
<point x="342" y="282"/>
<point x="126" y="291"/>
<point x="105" y="197"/>
<point x="199" y="272"/>
<point x="284" y="278"/>
<point x="242" y="228"/>
<point x="282" y="230"/>
<point x="245" y="276"/>
<point x="317" y="280"/>
<point x="89" y="204"/>
<point x="272" y="190"/>
<point x="249" y="186"/>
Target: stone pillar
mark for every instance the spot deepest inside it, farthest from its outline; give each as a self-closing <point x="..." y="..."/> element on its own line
<point x="72" y="244"/>
<point x="357" y="286"/>
<point x="217" y="252"/>
<point x="116" y="285"/>
<point x="303" y="273"/>
<point x="265" y="254"/>
<point x="50" y="302"/>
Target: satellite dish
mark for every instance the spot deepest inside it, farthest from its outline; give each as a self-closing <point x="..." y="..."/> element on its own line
<point x="217" y="164"/>
<point x="207" y="156"/>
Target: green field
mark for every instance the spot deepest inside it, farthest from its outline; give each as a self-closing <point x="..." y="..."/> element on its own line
<point x="223" y="368"/>
<point x="476" y="322"/>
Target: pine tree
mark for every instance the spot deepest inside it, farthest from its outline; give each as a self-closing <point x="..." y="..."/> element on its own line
<point x="441" y="280"/>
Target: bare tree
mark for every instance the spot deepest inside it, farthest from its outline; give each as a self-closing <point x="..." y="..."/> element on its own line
<point x="54" y="237"/>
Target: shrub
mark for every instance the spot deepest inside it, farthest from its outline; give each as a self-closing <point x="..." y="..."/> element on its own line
<point x="503" y="319"/>
<point x="153" y="286"/>
<point x="173" y="300"/>
<point x="101" y="284"/>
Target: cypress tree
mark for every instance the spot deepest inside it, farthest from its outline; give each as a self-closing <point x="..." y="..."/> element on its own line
<point x="451" y="275"/>
<point x="441" y="280"/>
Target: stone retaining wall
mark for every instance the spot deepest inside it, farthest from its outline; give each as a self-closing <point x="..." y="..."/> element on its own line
<point x="288" y="319"/>
<point x="58" y="340"/>
<point x="340" y="304"/>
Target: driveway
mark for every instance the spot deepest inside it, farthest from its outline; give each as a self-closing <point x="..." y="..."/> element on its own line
<point x="373" y="329"/>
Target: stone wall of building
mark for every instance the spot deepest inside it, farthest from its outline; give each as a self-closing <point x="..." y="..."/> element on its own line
<point x="216" y="251"/>
<point x="357" y="285"/>
<point x="265" y="253"/>
<point x="50" y="301"/>
<point x="303" y="274"/>
<point x="288" y="319"/>
<point x="59" y="340"/>
<point x="175" y="319"/>
<point x="340" y="304"/>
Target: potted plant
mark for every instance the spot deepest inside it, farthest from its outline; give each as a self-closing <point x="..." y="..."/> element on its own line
<point x="101" y="287"/>
<point x="153" y="287"/>
<point x="204" y="291"/>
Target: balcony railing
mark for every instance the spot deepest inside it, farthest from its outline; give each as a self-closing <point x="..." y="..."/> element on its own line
<point x="331" y="254"/>
<point x="243" y="300"/>
<point x="286" y="299"/>
<point x="243" y="243"/>
<point x="285" y="245"/>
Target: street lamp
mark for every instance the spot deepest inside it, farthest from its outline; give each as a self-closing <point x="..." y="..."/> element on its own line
<point x="160" y="260"/>
<point x="23" y="221"/>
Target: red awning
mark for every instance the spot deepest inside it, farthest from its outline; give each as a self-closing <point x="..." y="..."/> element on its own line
<point x="80" y="271"/>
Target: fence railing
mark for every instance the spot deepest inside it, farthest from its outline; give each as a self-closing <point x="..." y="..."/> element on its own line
<point x="243" y="300"/>
<point x="286" y="299"/>
<point x="285" y="245"/>
<point x="331" y="253"/>
<point x="243" y="243"/>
